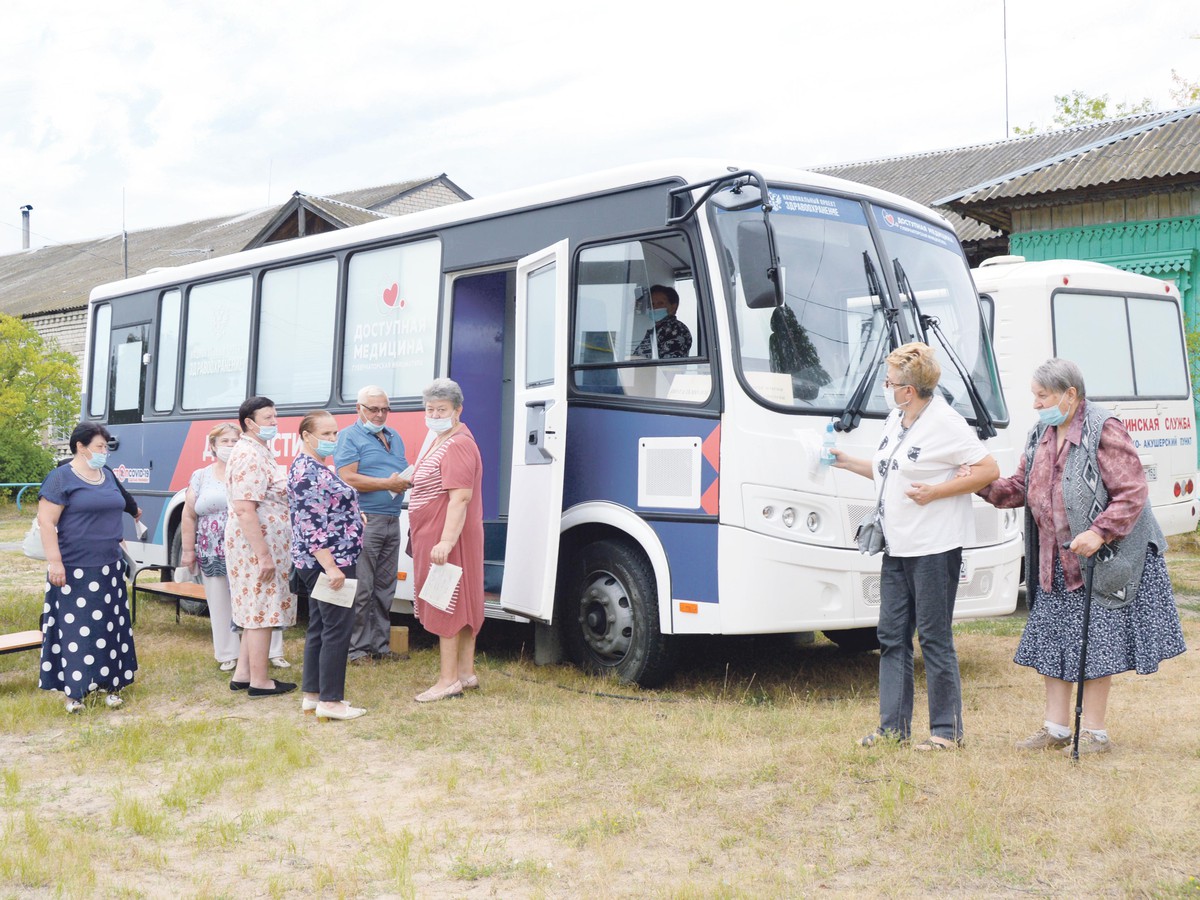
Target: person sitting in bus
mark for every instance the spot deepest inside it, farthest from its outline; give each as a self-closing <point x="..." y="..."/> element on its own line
<point x="370" y="457"/>
<point x="674" y="337"/>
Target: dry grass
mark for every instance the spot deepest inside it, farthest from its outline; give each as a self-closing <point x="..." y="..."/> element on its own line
<point x="741" y="780"/>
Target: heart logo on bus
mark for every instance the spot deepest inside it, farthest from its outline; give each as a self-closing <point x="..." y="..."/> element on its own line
<point x="391" y="295"/>
<point x="890" y="219"/>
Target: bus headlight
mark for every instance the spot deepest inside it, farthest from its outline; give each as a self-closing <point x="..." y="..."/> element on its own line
<point x="789" y="517"/>
<point x="813" y="522"/>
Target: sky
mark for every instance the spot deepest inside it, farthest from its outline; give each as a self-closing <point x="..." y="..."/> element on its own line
<point x="152" y="114"/>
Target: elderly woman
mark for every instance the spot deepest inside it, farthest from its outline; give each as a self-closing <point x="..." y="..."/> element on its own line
<point x="88" y="640"/>
<point x="327" y="536"/>
<point x="1069" y="514"/>
<point x="205" y="514"/>
<point x="926" y="515"/>
<point x="445" y="516"/>
<point x="257" y="548"/>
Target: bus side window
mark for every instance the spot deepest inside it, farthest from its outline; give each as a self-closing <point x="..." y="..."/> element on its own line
<point x="216" y="355"/>
<point x="624" y="320"/>
<point x="166" y="351"/>
<point x="127" y="373"/>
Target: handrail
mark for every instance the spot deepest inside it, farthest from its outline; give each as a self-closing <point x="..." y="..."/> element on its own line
<point x="23" y="485"/>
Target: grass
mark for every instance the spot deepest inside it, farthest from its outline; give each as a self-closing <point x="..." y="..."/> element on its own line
<point x="740" y="779"/>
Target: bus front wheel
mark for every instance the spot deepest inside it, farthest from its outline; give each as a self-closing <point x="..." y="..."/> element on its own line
<point x="609" y="610"/>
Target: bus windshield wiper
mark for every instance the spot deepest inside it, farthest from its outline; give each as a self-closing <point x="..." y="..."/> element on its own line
<point x="852" y="414"/>
<point x="985" y="426"/>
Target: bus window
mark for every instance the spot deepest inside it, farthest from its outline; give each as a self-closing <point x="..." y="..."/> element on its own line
<point x="615" y="328"/>
<point x="98" y="401"/>
<point x="167" y="351"/>
<point x="1159" y="361"/>
<point x="391" y="319"/>
<point x="218" y="344"/>
<point x="295" y="333"/>
<point x="127" y="373"/>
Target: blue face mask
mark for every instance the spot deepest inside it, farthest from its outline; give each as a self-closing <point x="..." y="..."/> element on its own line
<point x="267" y="432"/>
<point x="371" y="427"/>
<point x="98" y="460"/>
<point x="1053" y="416"/>
<point x="657" y="315"/>
<point x="324" y="448"/>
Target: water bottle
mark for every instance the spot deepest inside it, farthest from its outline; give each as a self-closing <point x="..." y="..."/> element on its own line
<point x="827" y="445"/>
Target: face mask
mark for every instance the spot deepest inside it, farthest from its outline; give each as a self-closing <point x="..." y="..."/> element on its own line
<point x="438" y="426"/>
<point x="371" y="427"/>
<point x="98" y="460"/>
<point x="266" y="433"/>
<point x="657" y="315"/>
<point x="223" y="453"/>
<point x="1054" y="415"/>
<point x="324" y="448"/>
<point x="890" y="398"/>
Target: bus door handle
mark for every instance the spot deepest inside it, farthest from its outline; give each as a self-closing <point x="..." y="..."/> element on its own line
<point x="535" y="434"/>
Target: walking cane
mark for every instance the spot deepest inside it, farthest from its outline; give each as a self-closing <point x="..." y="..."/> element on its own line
<point x="1087" y="618"/>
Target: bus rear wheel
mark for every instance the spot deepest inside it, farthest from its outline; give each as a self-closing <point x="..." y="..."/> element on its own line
<point x="609" y="611"/>
<point x="855" y="640"/>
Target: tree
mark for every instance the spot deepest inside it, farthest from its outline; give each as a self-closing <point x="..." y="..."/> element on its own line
<point x="1185" y="93"/>
<point x="1077" y="108"/>
<point x="39" y="396"/>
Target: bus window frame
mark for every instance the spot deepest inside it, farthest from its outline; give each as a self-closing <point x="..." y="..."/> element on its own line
<point x="1125" y="296"/>
<point x="156" y="353"/>
<point x="339" y="299"/>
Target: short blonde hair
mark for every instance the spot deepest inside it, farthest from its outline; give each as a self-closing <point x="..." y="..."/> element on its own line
<point x="917" y="367"/>
<point x="219" y="430"/>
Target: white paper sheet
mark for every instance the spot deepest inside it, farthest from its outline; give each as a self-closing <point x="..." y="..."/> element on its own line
<point x="343" y="596"/>
<point x="438" y="589"/>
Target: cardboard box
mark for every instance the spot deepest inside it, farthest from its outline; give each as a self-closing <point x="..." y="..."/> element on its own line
<point x="398" y="642"/>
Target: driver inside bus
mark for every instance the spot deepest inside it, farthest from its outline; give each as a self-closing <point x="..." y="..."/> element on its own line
<point x="674" y="338"/>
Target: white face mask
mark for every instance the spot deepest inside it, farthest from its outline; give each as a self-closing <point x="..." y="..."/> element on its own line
<point x="890" y="398"/>
<point x="438" y="426"/>
<point x="223" y="453"/>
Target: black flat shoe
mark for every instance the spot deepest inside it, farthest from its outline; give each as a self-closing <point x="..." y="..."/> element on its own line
<point x="281" y="687"/>
<point x="238" y="685"/>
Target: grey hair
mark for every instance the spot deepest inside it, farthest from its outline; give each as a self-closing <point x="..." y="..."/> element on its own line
<point x="1060" y="375"/>
<point x="371" y="390"/>
<point x="443" y="389"/>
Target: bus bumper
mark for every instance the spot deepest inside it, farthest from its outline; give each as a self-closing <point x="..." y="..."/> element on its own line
<point x="1177" y="518"/>
<point x="768" y="585"/>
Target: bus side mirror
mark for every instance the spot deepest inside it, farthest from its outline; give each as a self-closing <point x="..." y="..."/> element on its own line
<point x="762" y="280"/>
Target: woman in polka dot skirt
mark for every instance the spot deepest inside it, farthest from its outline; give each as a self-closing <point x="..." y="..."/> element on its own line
<point x="87" y="641"/>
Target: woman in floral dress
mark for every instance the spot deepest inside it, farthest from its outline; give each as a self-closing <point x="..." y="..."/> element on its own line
<point x="258" y="548"/>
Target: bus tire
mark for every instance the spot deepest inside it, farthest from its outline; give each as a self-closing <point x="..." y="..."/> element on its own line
<point x="608" y="605"/>
<point x="854" y="640"/>
<point x="191" y="607"/>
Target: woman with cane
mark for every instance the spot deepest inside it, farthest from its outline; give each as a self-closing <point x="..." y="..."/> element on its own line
<point x="1084" y="493"/>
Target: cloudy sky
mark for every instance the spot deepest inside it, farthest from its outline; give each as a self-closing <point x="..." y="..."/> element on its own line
<point x="184" y="111"/>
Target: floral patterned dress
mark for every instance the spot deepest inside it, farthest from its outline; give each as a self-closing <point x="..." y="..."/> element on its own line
<point x="252" y="474"/>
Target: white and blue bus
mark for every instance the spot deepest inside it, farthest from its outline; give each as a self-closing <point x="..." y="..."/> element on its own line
<point x="628" y="498"/>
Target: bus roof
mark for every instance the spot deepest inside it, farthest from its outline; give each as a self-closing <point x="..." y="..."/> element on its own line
<point x="1015" y="272"/>
<point x="686" y="170"/>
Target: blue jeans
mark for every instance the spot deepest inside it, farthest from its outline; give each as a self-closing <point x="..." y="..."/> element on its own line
<point x="917" y="595"/>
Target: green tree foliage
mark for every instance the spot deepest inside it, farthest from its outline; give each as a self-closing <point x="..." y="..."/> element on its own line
<point x="39" y="395"/>
<point x="1077" y="108"/>
<point x="1185" y="93"/>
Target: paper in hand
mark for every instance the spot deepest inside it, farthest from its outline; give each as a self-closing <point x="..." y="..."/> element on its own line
<point x="343" y="596"/>
<point x="140" y="529"/>
<point x="438" y="589"/>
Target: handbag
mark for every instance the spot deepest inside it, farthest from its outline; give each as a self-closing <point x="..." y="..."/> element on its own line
<point x="869" y="536"/>
<point x="32" y="545"/>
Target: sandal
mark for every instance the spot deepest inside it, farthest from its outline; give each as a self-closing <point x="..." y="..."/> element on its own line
<point x="931" y="744"/>
<point x="878" y="737"/>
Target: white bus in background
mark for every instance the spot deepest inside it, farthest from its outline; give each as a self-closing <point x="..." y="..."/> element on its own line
<point x="1126" y="332"/>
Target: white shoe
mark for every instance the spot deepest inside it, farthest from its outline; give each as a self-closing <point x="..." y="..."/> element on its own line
<point x="229" y="665"/>
<point x="114" y="701"/>
<point x="279" y="663"/>
<point x="74" y="706"/>
<point x="341" y="713"/>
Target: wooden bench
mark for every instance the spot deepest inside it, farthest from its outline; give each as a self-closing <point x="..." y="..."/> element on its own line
<point x="20" y="640"/>
<point x="172" y="590"/>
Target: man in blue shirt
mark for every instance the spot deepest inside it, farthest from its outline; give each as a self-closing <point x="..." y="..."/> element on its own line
<point x="370" y="457"/>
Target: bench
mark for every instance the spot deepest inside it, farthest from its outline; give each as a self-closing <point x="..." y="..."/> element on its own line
<point x="172" y="590"/>
<point x="20" y="640"/>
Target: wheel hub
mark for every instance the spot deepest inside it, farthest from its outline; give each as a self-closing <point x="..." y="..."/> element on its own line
<point x="606" y="618"/>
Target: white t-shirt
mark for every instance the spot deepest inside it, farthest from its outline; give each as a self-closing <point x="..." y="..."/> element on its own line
<point x="937" y="444"/>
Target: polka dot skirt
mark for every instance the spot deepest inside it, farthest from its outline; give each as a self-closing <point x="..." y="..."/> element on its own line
<point x="88" y="639"/>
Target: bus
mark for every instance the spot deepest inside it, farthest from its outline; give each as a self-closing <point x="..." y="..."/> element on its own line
<point x="631" y="496"/>
<point x="1126" y="333"/>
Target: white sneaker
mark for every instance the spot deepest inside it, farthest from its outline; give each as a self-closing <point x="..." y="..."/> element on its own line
<point x="114" y="701"/>
<point x="74" y="706"/>
<point x="279" y="663"/>
<point x="229" y="665"/>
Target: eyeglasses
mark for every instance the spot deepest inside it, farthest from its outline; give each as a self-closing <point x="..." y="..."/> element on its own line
<point x="893" y="384"/>
<point x="375" y="410"/>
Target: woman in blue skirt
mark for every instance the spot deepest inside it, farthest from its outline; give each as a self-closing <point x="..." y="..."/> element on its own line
<point x="87" y="642"/>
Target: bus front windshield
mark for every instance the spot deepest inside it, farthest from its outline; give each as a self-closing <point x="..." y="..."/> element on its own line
<point x="811" y="353"/>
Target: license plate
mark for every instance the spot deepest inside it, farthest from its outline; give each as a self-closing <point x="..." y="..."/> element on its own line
<point x="1151" y="472"/>
<point x="962" y="573"/>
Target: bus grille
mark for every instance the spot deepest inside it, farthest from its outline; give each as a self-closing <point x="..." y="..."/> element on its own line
<point x="870" y="590"/>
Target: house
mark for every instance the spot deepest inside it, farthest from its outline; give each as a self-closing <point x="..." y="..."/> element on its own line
<point x="49" y="286"/>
